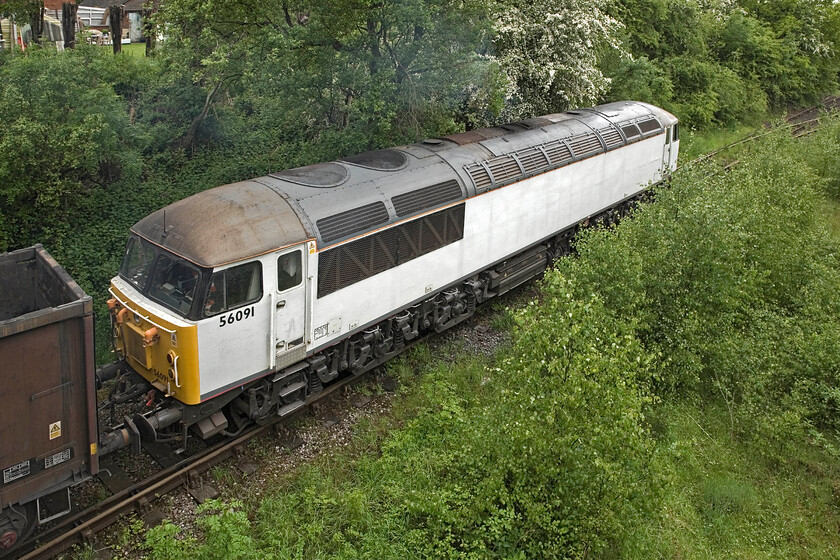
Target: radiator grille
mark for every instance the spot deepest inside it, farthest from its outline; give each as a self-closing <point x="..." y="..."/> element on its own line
<point x="611" y="137"/>
<point x="480" y="177"/>
<point x="558" y="152"/>
<point x="585" y="144"/>
<point x="503" y="168"/>
<point x="532" y="160"/>
<point x="134" y="345"/>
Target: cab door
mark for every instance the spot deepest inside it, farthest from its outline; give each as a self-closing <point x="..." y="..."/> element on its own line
<point x="666" y="154"/>
<point x="289" y="324"/>
<point x="669" y="156"/>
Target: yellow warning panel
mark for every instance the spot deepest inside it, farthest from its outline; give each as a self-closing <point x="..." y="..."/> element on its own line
<point x="55" y="430"/>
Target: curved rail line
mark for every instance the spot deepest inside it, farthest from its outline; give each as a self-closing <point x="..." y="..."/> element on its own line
<point x="792" y="122"/>
<point x="83" y="526"/>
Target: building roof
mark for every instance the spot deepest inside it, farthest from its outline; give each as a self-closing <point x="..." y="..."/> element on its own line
<point x="101" y="3"/>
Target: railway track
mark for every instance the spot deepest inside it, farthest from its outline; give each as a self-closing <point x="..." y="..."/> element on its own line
<point x="800" y="123"/>
<point x="139" y="497"/>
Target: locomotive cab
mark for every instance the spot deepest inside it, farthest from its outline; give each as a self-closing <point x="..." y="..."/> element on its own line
<point x="210" y="301"/>
<point x="192" y="331"/>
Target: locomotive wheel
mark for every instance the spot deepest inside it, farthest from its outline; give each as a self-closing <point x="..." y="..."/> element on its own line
<point x="15" y="527"/>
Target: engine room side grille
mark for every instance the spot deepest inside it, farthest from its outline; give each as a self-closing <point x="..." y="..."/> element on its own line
<point x="558" y="152"/>
<point x="427" y="197"/>
<point x="357" y="220"/>
<point x="611" y="137"/>
<point x="649" y="125"/>
<point x="503" y="168"/>
<point x="585" y="144"/>
<point x="532" y="160"/>
<point x="362" y="258"/>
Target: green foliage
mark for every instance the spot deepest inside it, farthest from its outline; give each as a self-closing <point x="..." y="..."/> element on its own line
<point x="549" y="51"/>
<point x="357" y="75"/>
<point x="726" y="500"/>
<point x="727" y="295"/>
<point x="223" y="528"/>
<point x="721" y="62"/>
<point x="64" y="136"/>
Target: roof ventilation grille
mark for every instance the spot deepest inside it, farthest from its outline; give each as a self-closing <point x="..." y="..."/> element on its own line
<point x="427" y="197"/>
<point x="611" y="137"/>
<point x="357" y="220"/>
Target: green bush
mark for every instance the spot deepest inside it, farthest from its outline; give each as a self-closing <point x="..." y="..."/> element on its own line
<point x="64" y="136"/>
<point x="730" y="277"/>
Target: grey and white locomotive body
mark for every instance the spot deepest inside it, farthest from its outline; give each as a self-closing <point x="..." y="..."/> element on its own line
<point x="264" y="291"/>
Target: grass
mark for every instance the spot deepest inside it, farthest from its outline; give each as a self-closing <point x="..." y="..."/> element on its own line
<point x="132" y="49"/>
<point x="726" y="500"/>
<point x="694" y="145"/>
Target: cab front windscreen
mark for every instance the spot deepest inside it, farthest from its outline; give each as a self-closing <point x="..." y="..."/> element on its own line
<point x="162" y="276"/>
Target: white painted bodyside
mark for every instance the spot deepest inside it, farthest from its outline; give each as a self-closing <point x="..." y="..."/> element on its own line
<point x="498" y="224"/>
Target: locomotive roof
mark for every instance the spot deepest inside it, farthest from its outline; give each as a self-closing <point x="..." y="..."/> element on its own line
<point x="336" y="201"/>
<point x="224" y="224"/>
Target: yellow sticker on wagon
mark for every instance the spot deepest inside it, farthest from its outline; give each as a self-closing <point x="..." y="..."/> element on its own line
<point x="55" y="430"/>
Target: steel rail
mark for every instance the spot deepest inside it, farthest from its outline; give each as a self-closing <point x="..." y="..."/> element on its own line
<point x="83" y="526"/>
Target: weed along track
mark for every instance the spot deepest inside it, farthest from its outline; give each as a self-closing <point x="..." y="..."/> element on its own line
<point x="334" y="412"/>
<point x="188" y="473"/>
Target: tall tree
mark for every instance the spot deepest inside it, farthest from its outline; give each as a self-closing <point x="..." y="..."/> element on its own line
<point x="115" y="17"/>
<point x="549" y="50"/>
<point x="68" y="23"/>
<point x="377" y="70"/>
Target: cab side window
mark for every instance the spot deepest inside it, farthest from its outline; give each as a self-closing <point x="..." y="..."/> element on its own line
<point x="288" y="271"/>
<point x="233" y="288"/>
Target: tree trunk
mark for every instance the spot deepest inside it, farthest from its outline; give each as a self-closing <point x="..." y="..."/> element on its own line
<point x="115" y="17"/>
<point x="68" y="23"/>
<point x="36" y="21"/>
<point x="149" y="31"/>
<point x="189" y="138"/>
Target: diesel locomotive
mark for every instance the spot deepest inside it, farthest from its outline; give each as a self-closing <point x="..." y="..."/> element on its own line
<point x="242" y="302"/>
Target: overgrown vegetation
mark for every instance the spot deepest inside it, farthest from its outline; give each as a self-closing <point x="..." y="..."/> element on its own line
<point x="91" y="142"/>
<point x="674" y="388"/>
<point x="671" y="393"/>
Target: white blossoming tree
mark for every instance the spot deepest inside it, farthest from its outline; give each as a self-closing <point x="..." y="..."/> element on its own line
<point x="549" y="50"/>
